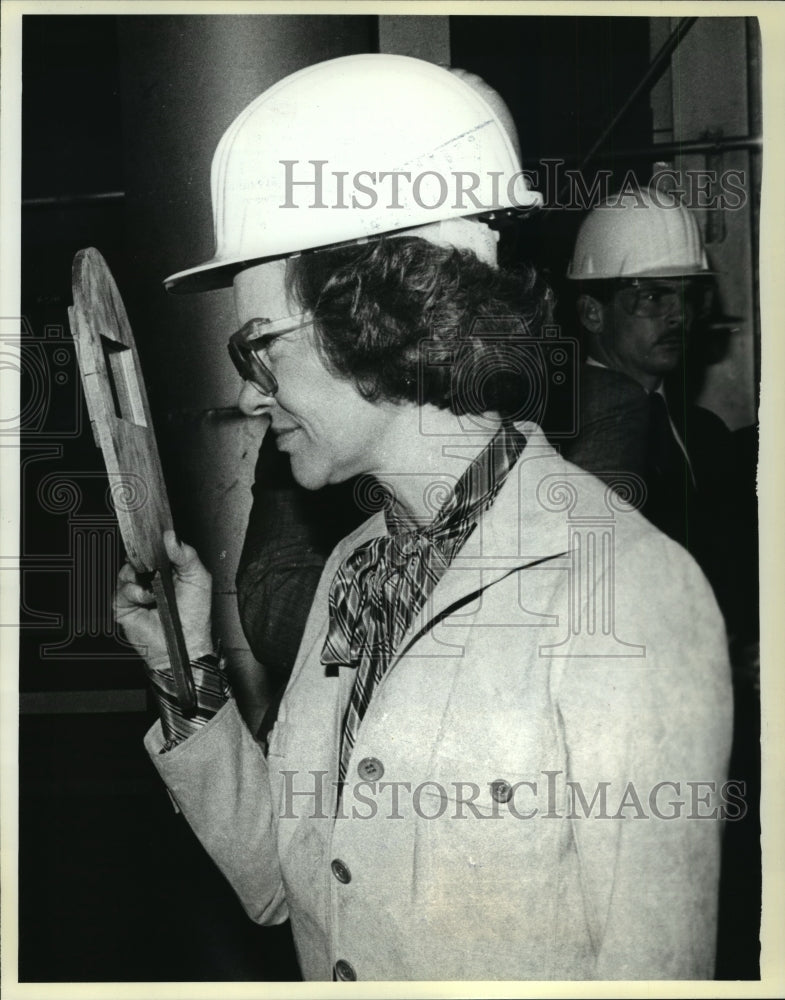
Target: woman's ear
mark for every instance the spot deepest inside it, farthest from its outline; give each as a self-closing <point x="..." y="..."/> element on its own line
<point x="591" y="313"/>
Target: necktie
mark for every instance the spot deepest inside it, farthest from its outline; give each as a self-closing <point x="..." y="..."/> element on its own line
<point x="670" y="488"/>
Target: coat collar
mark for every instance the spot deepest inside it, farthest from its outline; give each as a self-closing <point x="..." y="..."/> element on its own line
<point x="529" y="522"/>
<point x="520" y="529"/>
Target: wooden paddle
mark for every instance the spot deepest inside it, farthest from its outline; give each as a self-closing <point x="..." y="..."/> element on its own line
<point x="123" y="430"/>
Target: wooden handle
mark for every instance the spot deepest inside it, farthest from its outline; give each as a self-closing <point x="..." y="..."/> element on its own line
<point x="163" y="589"/>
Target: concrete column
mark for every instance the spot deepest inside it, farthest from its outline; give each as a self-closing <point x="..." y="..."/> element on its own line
<point x="421" y="36"/>
<point x="184" y="79"/>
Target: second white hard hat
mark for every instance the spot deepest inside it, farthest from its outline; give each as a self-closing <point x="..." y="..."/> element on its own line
<point x="351" y="149"/>
<point x="638" y="235"/>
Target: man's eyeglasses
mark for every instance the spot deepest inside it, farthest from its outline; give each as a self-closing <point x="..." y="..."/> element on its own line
<point x="654" y="299"/>
<point x="245" y="349"/>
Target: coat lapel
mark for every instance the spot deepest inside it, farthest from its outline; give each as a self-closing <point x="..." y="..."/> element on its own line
<point x="518" y="531"/>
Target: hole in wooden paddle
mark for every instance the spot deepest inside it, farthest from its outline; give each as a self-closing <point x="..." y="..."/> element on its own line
<point x="123" y="382"/>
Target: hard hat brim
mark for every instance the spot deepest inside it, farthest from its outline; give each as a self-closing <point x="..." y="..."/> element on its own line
<point x="654" y="272"/>
<point x="219" y="272"/>
<point x="210" y="275"/>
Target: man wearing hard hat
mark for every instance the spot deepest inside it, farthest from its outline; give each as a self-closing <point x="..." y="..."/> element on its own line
<point x="496" y="740"/>
<point x="642" y="278"/>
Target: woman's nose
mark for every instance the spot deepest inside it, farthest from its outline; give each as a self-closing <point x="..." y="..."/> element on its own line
<point x="253" y="402"/>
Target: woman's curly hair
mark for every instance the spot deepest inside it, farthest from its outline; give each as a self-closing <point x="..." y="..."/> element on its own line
<point x="408" y="320"/>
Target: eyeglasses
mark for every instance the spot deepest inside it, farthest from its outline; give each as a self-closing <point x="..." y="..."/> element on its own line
<point x="245" y="349"/>
<point x="654" y="299"/>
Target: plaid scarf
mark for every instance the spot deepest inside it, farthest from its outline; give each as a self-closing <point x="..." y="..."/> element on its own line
<point x="381" y="586"/>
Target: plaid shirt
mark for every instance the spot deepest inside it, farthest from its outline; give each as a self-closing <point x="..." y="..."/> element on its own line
<point x="381" y="586"/>
<point x="211" y="687"/>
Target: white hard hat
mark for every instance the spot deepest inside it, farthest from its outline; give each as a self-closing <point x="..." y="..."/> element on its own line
<point x="351" y="149"/>
<point x="640" y="235"/>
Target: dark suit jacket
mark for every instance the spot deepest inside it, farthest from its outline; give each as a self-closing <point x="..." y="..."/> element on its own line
<point x="613" y="424"/>
<point x="614" y="435"/>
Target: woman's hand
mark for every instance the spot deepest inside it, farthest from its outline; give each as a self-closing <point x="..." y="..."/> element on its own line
<point x="135" y="606"/>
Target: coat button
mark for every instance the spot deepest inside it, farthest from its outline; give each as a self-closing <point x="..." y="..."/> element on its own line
<point x="370" y="768"/>
<point x="344" y="971"/>
<point x="501" y="790"/>
<point x="341" y="871"/>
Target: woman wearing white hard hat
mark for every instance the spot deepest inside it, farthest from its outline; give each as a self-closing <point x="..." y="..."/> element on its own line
<point x="418" y="812"/>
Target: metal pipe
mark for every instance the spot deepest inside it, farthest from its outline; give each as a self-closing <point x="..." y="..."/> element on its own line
<point x="664" y="149"/>
<point x="691" y="146"/>
<point x="69" y="200"/>
<point x="650" y="77"/>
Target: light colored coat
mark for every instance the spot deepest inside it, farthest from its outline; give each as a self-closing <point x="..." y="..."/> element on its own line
<point x="533" y="663"/>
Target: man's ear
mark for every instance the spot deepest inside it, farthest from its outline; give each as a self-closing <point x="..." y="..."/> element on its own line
<point x="590" y="313"/>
